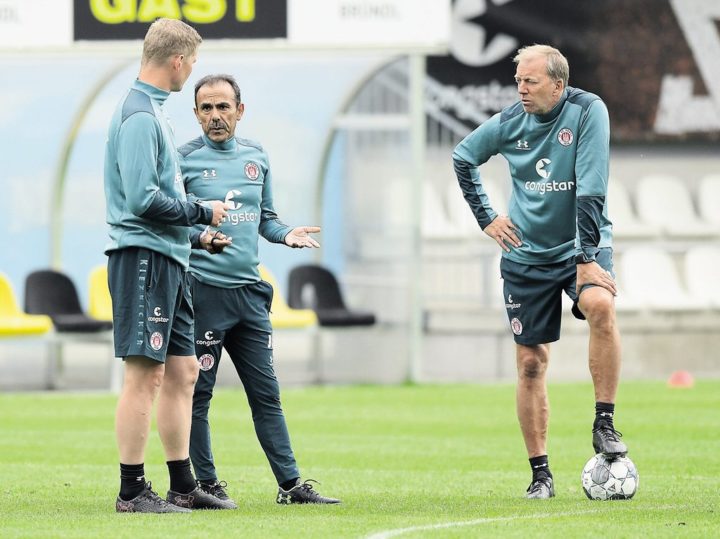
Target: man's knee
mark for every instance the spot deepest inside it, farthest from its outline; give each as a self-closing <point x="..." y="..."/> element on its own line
<point x="265" y="401"/>
<point x="201" y="401"/>
<point x="598" y="306"/>
<point x="532" y="361"/>
<point x="143" y="375"/>
<point x="181" y="372"/>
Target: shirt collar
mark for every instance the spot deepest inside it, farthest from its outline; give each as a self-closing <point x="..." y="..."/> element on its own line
<point x="227" y="145"/>
<point x="555" y="111"/>
<point x="153" y="91"/>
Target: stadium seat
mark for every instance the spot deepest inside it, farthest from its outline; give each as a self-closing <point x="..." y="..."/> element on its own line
<point x="325" y="297"/>
<point x="709" y="199"/>
<point x="665" y="201"/>
<point x="54" y="294"/>
<point x="650" y="277"/>
<point x="701" y="272"/>
<point x="14" y="322"/>
<point x="99" y="301"/>
<point x="281" y="315"/>
<point x="461" y="214"/>
<point x="625" y="221"/>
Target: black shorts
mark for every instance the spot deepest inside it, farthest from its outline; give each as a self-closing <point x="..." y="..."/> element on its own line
<point x="533" y="296"/>
<point x="152" y="305"/>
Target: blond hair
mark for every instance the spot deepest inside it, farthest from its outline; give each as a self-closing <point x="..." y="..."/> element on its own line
<point x="557" y="65"/>
<point x="167" y="37"/>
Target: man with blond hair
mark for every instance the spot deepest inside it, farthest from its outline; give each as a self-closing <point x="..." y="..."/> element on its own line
<point x="148" y="254"/>
<point x="557" y="238"/>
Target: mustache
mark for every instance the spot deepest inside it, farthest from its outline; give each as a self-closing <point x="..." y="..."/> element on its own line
<point x="218" y="125"/>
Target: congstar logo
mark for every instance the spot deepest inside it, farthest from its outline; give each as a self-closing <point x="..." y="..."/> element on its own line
<point x="209" y="340"/>
<point x="158" y="317"/>
<point x="541" y="167"/>
<point x="230" y="199"/>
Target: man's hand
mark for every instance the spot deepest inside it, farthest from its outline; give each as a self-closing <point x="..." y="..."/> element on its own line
<point x="503" y="231"/>
<point x="593" y="273"/>
<point x="214" y="241"/>
<point x="300" y="237"/>
<point x="219" y="212"/>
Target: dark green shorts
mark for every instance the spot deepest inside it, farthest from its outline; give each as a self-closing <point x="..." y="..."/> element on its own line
<point x="533" y="296"/>
<point x="152" y="305"/>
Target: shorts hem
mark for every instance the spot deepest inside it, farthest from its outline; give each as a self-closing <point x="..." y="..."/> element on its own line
<point x="125" y="354"/>
<point x="181" y="352"/>
<point x="536" y="341"/>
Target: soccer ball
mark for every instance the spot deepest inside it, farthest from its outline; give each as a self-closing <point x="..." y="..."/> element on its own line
<point x="604" y="478"/>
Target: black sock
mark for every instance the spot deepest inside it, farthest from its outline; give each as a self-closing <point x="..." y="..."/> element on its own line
<point x="132" y="480"/>
<point x="540" y="466"/>
<point x="181" y="477"/>
<point x="287" y="485"/>
<point x="604" y="412"/>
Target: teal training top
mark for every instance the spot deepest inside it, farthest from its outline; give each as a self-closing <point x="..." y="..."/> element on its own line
<point x="559" y="165"/>
<point x="144" y="192"/>
<point x="238" y="172"/>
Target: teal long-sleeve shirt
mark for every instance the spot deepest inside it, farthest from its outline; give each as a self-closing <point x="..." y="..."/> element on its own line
<point x="238" y="172"/>
<point x="559" y="167"/>
<point x="145" y="197"/>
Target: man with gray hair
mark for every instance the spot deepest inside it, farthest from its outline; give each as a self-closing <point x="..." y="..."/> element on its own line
<point x="148" y="255"/>
<point x="557" y="238"/>
<point x="232" y="302"/>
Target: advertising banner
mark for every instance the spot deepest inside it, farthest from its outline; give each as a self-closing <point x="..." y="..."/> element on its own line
<point x="37" y="24"/>
<point x="352" y="23"/>
<point x="214" y="19"/>
<point x="653" y="62"/>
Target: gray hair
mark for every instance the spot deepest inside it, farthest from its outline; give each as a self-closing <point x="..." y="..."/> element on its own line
<point x="212" y="80"/>
<point x="557" y="65"/>
<point x="167" y="37"/>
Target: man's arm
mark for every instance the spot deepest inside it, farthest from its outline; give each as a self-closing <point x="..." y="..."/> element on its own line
<point x="471" y="186"/>
<point x="592" y="168"/>
<point x="138" y="144"/>
<point x="472" y="152"/>
<point x="271" y="227"/>
<point x="591" y="172"/>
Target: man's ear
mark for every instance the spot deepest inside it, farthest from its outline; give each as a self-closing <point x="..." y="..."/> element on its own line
<point x="240" y="110"/>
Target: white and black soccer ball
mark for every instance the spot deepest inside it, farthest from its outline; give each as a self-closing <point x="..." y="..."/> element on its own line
<point x="604" y="478"/>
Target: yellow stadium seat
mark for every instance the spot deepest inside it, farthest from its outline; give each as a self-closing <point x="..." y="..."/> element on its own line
<point x="99" y="302"/>
<point x="14" y="322"/>
<point x="281" y="315"/>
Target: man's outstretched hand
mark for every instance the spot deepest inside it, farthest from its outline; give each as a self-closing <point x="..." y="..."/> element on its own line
<point x="299" y="237"/>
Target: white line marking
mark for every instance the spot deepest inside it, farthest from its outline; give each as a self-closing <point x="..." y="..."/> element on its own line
<point x="399" y="531"/>
<point x="387" y="534"/>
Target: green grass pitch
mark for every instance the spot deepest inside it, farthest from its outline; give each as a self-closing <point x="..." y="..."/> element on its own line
<point x="426" y="461"/>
